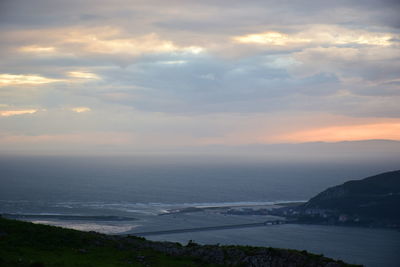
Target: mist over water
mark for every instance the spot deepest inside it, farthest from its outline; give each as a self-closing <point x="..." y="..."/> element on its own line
<point x="163" y="179"/>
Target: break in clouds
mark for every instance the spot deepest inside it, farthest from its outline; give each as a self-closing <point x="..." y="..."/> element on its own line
<point x="149" y="74"/>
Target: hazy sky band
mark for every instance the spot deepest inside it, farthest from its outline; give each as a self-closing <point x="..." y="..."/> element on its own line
<point x="166" y="74"/>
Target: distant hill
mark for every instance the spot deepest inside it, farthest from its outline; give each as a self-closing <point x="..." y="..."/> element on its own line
<point x="370" y="150"/>
<point x="375" y="200"/>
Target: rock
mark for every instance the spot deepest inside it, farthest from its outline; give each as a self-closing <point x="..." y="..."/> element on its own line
<point x="82" y="250"/>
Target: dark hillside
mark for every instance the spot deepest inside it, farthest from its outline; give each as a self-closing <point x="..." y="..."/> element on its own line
<point x="376" y="198"/>
<point x="28" y="244"/>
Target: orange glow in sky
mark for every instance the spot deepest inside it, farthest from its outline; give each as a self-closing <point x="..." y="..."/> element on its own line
<point x="345" y="133"/>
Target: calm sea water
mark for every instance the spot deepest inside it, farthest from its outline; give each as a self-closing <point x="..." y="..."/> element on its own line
<point x="144" y="187"/>
<point x="371" y="247"/>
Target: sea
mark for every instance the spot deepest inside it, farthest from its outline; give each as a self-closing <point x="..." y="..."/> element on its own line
<point x="136" y="194"/>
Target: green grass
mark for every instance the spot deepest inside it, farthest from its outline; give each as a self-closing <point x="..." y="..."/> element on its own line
<point x="28" y="244"/>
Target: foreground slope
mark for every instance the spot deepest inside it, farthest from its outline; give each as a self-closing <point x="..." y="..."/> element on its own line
<point x="28" y="244"/>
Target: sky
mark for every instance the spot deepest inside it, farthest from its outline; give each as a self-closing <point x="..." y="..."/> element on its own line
<point x="155" y="75"/>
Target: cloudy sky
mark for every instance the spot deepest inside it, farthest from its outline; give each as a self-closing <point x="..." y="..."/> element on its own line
<point x="149" y="75"/>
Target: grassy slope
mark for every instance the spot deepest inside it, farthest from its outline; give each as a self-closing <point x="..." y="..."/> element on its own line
<point x="28" y="244"/>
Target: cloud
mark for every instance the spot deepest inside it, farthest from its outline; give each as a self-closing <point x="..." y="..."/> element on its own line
<point x="22" y="79"/>
<point x="88" y="138"/>
<point x="106" y="40"/>
<point x="349" y="63"/>
<point x="317" y="35"/>
<point x="37" y="49"/>
<point x="109" y="41"/>
<point x="80" y="109"/>
<point x="199" y="72"/>
<point x="83" y="75"/>
<point x="269" y="38"/>
<point x="7" y="113"/>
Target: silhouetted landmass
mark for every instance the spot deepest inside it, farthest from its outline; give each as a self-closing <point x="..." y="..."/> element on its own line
<point x="28" y="244"/>
<point x="373" y="201"/>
